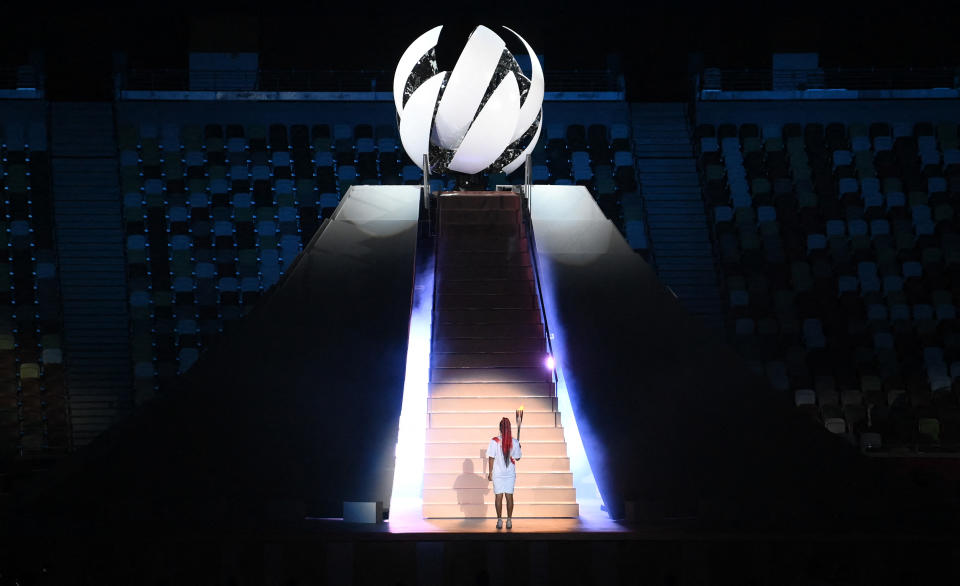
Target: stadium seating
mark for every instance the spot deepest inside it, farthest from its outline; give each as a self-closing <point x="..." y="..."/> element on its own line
<point x="840" y="251"/>
<point x="33" y="411"/>
<point x="595" y="156"/>
<point x="214" y="214"/>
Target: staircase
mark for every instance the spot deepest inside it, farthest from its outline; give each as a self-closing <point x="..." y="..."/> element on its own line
<point x="487" y="360"/>
<point x="90" y="244"/>
<point x="677" y="221"/>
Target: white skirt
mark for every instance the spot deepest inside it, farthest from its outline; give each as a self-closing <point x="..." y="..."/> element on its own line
<point x="502" y="484"/>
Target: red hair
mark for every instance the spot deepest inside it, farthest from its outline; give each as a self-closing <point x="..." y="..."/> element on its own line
<point x="507" y="442"/>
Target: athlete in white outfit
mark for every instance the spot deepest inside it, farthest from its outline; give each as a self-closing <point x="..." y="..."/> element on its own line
<point x="502" y="454"/>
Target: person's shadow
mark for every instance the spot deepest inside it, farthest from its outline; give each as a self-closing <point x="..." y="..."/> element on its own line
<point x="471" y="489"/>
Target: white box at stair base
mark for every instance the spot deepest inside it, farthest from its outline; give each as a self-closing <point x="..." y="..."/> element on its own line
<point x="368" y="512"/>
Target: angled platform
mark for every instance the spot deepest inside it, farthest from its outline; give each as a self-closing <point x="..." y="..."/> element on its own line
<point x="672" y="421"/>
<point x="290" y="415"/>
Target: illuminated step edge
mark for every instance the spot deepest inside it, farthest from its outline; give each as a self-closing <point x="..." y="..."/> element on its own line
<point x="539" y="389"/>
<point x="491" y="419"/>
<point x="483" y="403"/>
<point x="546" y="494"/>
<point x="478" y="465"/>
<point x="483" y="433"/>
<point x="521" y="510"/>
<point x="524" y="479"/>
<point x="531" y="449"/>
<point x="511" y="374"/>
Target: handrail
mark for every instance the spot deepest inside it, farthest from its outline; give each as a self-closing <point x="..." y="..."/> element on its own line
<point x="532" y="245"/>
<point x="434" y="235"/>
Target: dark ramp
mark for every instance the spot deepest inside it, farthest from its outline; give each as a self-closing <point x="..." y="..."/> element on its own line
<point x="292" y="414"/>
<point x="670" y="417"/>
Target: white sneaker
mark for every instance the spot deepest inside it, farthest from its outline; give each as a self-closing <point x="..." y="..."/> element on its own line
<point x="500" y="523"/>
<point x="509" y="523"/>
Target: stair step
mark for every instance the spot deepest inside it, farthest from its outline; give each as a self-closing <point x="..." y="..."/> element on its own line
<point x="454" y="273"/>
<point x="486" y="330"/>
<point x="671" y="194"/>
<point x="491" y="418"/>
<point x="479" y="230"/>
<point x="527" y="301"/>
<point x="516" y="390"/>
<point x="486" y="201"/>
<point x="531" y="404"/>
<point x="489" y="360"/>
<point x="477" y="490"/>
<point x="487" y="287"/>
<point x="674" y="272"/>
<point x="502" y="318"/>
<point x="660" y="151"/>
<point x="674" y="235"/>
<point x="476" y="259"/>
<point x="661" y="139"/>
<point x="472" y="450"/>
<point x="520" y="511"/>
<point x="479" y="464"/>
<point x="484" y="345"/>
<point x="488" y="430"/>
<point x="661" y="180"/>
<point x="700" y="248"/>
<point x="489" y="375"/>
<point x="447" y="480"/>
<point x="452" y="217"/>
<point x="674" y="165"/>
<point x="480" y="243"/>
<point x="678" y="206"/>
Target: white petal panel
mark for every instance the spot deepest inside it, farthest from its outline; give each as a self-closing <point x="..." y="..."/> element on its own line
<point x="516" y="163"/>
<point x="491" y="131"/>
<point x="409" y="59"/>
<point x="417" y="117"/>
<point x="468" y="82"/>
<point x="533" y="103"/>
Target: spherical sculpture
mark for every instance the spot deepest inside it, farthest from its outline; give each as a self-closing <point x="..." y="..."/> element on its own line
<point x="485" y="115"/>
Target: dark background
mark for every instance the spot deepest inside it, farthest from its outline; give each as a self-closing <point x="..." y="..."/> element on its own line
<point x="656" y="41"/>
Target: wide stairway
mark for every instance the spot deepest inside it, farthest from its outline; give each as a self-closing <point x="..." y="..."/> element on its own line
<point x="676" y="217"/>
<point x="90" y="245"/>
<point x="487" y="360"/>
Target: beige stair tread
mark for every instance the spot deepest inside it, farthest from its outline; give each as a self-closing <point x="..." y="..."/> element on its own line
<point x="509" y="374"/>
<point x="491" y="418"/>
<point x="475" y="449"/>
<point x="521" y="510"/>
<point x="490" y="360"/>
<point x="539" y="389"/>
<point x="478" y="465"/>
<point x="482" y="403"/>
<point x="524" y="479"/>
<point x="485" y="432"/>
<point x="546" y="494"/>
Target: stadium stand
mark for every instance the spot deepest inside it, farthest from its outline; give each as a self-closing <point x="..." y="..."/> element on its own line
<point x="215" y="213"/>
<point x="33" y="397"/>
<point x="840" y="251"/>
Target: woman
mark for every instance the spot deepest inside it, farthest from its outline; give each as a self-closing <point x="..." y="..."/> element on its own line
<point x="502" y="454"/>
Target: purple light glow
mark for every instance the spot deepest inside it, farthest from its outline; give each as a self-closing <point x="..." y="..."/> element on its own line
<point x="550" y="363"/>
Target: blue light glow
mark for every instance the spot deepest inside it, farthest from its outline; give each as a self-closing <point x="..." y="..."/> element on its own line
<point x="408" y="473"/>
<point x="588" y="495"/>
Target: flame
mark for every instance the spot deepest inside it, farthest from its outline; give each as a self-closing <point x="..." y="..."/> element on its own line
<point x="521" y="407"/>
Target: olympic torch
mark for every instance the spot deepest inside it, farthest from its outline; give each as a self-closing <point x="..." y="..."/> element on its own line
<point x="519" y="421"/>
